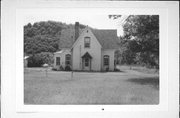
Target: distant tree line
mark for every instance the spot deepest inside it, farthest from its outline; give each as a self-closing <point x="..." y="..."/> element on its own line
<point x="41" y="40"/>
<point x="140" y="42"/>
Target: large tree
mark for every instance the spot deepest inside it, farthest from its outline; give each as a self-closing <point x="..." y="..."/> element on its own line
<point x="41" y="39"/>
<point x="143" y="33"/>
<point x="141" y="40"/>
<point x="42" y="36"/>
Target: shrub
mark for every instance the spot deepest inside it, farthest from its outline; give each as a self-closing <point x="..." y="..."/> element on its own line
<point x="37" y="60"/>
<point x="55" y="69"/>
<point x="67" y="68"/>
<point x="60" y="68"/>
<point x="116" y="69"/>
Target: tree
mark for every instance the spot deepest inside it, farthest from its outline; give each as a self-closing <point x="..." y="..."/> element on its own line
<point x="37" y="60"/>
<point x="43" y="37"/>
<point x="141" y="40"/>
<point x="143" y="31"/>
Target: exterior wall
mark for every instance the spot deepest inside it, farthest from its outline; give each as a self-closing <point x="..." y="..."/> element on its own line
<point x="62" y="58"/>
<point x="110" y="53"/>
<point x="94" y="51"/>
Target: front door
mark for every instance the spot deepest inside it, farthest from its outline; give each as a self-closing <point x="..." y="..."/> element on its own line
<point x="87" y="64"/>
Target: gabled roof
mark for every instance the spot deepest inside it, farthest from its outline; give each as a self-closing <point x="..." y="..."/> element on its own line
<point x="61" y="51"/>
<point x="107" y="38"/>
<point x="87" y="55"/>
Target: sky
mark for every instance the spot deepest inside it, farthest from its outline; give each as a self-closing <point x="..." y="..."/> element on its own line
<point x="98" y="21"/>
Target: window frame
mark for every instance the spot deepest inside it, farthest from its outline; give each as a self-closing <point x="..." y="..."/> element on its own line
<point x="68" y="61"/>
<point x="106" y="62"/>
<point x="58" y="61"/>
<point x="87" y="41"/>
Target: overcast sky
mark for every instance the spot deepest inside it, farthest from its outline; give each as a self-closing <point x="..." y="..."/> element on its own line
<point x="99" y="21"/>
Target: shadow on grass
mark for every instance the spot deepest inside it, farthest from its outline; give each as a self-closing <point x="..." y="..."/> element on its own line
<point x="154" y="81"/>
<point x="95" y="71"/>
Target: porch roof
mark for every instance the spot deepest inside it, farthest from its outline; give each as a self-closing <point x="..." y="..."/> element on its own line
<point x="87" y="55"/>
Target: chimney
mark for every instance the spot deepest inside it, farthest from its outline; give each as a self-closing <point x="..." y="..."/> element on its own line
<point x="76" y="30"/>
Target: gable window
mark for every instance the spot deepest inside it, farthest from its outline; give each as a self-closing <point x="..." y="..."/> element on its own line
<point x="57" y="61"/>
<point x="87" y="42"/>
<point x="106" y="60"/>
<point x="68" y="59"/>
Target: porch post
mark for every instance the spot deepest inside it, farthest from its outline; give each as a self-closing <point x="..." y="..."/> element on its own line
<point x="90" y="63"/>
<point x="82" y="65"/>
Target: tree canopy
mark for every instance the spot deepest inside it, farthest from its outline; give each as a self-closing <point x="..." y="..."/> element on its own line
<point x="43" y="36"/>
<point x="41" y="39"/>
<point x="140" y="42"/>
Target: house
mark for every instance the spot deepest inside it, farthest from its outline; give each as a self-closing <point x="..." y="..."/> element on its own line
<point x="87" y="49"/>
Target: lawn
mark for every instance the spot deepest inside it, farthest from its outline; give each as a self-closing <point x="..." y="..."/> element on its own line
<point x="125" y="87"/>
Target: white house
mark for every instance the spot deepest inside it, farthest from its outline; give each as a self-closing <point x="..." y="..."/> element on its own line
<point x="87" y="49"/>
<point x="62" y="58"/>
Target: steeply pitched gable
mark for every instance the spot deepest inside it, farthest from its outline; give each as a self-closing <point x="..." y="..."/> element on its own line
<point x="107" y="38"/>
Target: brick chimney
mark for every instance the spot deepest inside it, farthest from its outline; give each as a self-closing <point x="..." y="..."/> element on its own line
<point x="76" y="30"/>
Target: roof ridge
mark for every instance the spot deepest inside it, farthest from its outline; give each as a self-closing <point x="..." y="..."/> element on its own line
<point x="106" y="37"/>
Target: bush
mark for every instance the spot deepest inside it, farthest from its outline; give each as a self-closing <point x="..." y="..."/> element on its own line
<point x="55" y="69"/>
<point x="67" y="68"/>
<point x="37" y="60"/>
<point x="60" y="68"/>
<point x="116" y="69"/>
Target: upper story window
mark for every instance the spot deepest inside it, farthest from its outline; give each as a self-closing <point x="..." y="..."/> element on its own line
<point x="57" y="61"/>
<point x="68" y="59"/>
<point x="87" y="42"/>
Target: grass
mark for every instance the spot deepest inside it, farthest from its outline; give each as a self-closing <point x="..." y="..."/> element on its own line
<point x="139" y="69"/>
<point x="152" y="81"/>
<point x="127" y="87"/>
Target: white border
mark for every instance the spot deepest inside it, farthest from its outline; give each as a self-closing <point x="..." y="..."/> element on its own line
<point x="12" y="71"/>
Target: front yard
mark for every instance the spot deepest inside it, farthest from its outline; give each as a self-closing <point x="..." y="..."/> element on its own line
<point x="126" y="87"/>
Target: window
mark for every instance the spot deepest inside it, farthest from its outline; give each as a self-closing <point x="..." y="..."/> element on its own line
<point x="106" y="60"/>
<point x="87" y="42"/>
<point x="57" y="61"/>
<point x="68" y="59"/>
<point x="86" y="62"/>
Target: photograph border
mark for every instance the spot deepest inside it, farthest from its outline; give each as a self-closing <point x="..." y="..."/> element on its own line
<point x="163" y="9"/>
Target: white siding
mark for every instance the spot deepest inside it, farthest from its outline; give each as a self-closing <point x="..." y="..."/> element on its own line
<point x="94" y="51"/>
<point x="110" y="53"/>
<point x="62" y="58"/>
